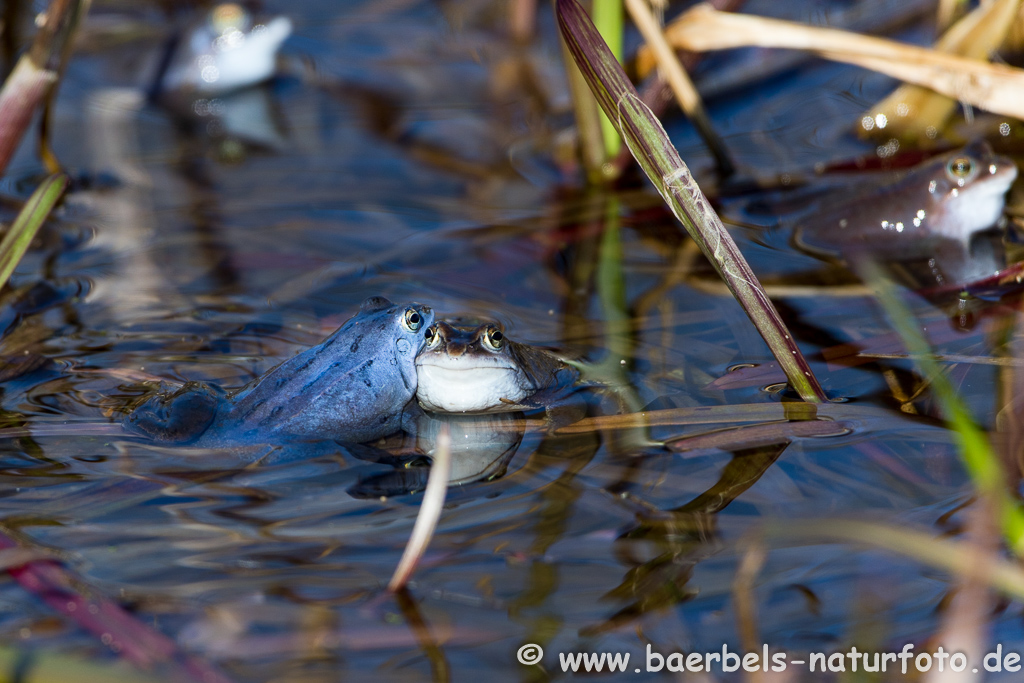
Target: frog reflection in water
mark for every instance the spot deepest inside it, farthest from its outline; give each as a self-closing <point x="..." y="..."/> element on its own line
<point x="467" y="369"/>
<point x="930" y="212"/>
<point x="352" y="387"/>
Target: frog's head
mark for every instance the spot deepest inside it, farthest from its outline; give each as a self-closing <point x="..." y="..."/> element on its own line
<point x="407" y="323"/>
<point x="968" y="189"/>
<point x="470" y="369"/>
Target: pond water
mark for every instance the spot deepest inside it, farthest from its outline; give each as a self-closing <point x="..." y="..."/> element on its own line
<point x="406" y="151"/>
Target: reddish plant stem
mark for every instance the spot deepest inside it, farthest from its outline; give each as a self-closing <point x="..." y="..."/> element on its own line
<point x="116" y="628"/>
<point x="24" y="89"/>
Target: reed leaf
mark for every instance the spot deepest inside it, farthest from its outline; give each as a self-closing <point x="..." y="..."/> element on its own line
<point x="650" y="145"/>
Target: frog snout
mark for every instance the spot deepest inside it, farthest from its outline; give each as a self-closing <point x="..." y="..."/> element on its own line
<point x="456" y="349"/>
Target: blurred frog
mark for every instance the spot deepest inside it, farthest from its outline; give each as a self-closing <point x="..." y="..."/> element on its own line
<point x="209" y="73"/>
<point x="227" y="51"/>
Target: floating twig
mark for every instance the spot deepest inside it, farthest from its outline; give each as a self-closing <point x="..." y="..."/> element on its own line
<point x="753" y="436"/>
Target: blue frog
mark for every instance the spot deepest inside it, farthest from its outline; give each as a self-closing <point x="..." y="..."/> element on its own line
<point x="352" y="387"/>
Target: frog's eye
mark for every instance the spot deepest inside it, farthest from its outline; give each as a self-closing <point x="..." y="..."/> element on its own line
<point x="432" y="337"/>
<point x="961" y="169"/>
<point x="493" y="339"/>
<point x="412" y="320"/>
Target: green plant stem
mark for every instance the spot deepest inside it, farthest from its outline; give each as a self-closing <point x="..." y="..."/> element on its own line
<point x="618" y="332"/>
<point x="608" y="18"/>
<point x="589" y="119"/>
<point x="26" y="225"/>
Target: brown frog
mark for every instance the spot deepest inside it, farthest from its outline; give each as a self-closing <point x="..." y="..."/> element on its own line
<point x="946" y="199"/>
<point x="476" y="369"/>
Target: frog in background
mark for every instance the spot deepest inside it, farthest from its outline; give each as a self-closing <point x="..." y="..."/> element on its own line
<point x="932" y="211"/>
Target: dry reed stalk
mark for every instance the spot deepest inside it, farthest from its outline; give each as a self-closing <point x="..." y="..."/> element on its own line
<point x="23" y="90"/>
<point x="993" y="87"/>
<point x="913" y="111"/>
<point x="947" y="12"/>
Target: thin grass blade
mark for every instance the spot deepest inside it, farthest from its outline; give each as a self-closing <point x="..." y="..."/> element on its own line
<point x="650" y="145"/>
<point x="957" y="557"/>
<point x="980" y="459"/>
<point x="28" y="222"/>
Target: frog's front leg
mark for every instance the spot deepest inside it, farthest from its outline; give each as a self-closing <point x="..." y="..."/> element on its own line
<point x="564" y="411"/>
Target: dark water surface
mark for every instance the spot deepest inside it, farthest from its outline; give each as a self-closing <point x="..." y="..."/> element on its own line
<point x="410" y="160"/>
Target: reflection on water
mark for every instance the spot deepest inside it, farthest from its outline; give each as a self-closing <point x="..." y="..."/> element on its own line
<point x="384" y="170"/>
<point x="482" y="446"/>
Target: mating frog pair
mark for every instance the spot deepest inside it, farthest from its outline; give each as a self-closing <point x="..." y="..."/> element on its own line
<point x="355" y="386"/>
